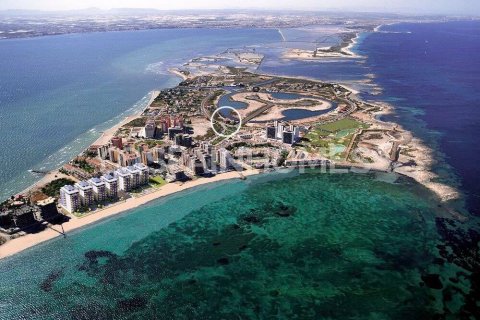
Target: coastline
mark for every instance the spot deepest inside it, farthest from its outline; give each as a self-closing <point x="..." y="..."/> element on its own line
<point x="345" y="51"/>
<point x="19" y="244"/>
<point x="421" y="173"/>
<point x="422" y="154"/>
<point x="103" y="139"/>
<point x="178" y="73"/>
<point x="108" y="134"/>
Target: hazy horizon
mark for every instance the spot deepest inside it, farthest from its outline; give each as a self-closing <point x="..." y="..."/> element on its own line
<point x="445" y="7"/>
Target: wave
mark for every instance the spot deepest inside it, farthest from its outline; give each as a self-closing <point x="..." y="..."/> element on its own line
<point x="157" y="68"/>
<point x="79" y="144"/>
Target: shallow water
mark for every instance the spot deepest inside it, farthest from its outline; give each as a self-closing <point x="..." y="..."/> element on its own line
<point x="309" y="245"/>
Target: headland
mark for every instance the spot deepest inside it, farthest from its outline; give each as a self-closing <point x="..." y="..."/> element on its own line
<point x="170" y="145"/>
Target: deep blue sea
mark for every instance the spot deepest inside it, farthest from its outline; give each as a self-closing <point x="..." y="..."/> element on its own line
<point x="431" y="74"/>
<point x="277" y="246"/>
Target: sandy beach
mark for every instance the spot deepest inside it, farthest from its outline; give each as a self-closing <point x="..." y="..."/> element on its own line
<point x="178" y="73"/>
<point x="321" y="53"/>
<point x="19" y="244"/>
<point x="108" y="134"/>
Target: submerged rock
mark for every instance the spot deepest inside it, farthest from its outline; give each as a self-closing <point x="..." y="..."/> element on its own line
<point x="432" y="281"/>
<point x="93" y="255"/>
<point x="223" y="261"/>
<point x="284" y="211"/>
<point x="453" y="280"/>
<point x="47" y="284"/>
<point x="251" y="219"/>
<point x="274" y="293"/>
<point x="133" y="304"/>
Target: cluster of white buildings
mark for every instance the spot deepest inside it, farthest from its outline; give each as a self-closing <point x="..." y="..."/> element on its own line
<point x="284" y="132"/>
<point x="206" y="159"/>
<point x="86" y="193"/>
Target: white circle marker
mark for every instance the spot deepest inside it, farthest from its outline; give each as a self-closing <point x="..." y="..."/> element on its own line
<point x="221" y="134"/>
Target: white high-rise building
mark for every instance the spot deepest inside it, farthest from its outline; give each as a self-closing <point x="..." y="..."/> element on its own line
<point x="287" y="133"/>
<point x="86" y="192"/>
<point x="98" y="186"/>
<point x="280" y="128"/>
<point x="124" y="179"/>
<point x="69" y="198"/>
<point x="111" y="185"/>
<point x="143" y="172"/>
<point x="136" y="176"/>
<point x="150" y="127"/>
<point x="225" y="159"/>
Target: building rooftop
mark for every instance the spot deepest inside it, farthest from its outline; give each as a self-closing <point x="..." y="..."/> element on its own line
<point x="140" y="166"/>
<point x="132" y="169"/>
<point x="24" y="210"/>
<point x="109" y="177"/>
<point x="69" y="189"/>
<point x="96" y="181"/>
<point x="83" y="185"/>
<point x="45" y="202"/>
<point x="123" y="172"/>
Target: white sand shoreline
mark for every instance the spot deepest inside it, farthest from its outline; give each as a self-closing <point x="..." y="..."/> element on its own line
<point x="105" y="137"/>
<point x="108" y="134"/>
<point x="17" y="245"/>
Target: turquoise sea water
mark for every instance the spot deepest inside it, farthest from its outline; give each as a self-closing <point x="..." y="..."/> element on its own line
<point x="286" y="246"/>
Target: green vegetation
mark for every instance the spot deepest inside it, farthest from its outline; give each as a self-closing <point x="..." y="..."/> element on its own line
<point x="283" y="157"/>
<point x="4" y="204"/>
<point x="218" y="140"/>
<point x="211" y="99"/>
<point x="207" y="136"/>
<point x="343" y="124"/>
<point x="368" y="160"/>
<point x="84" y="165"/>
<point x="139" y="122"/>
<point x="90" y="154"/>
<point x="151" y="142"/>
<point x="332" y="139"/>
<point x="65" y="172"/>
<point x="2" y="240"/>
<point x="52" y="189"/>
<point x="157" y="181"/>
<point x="237" y="70"/>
